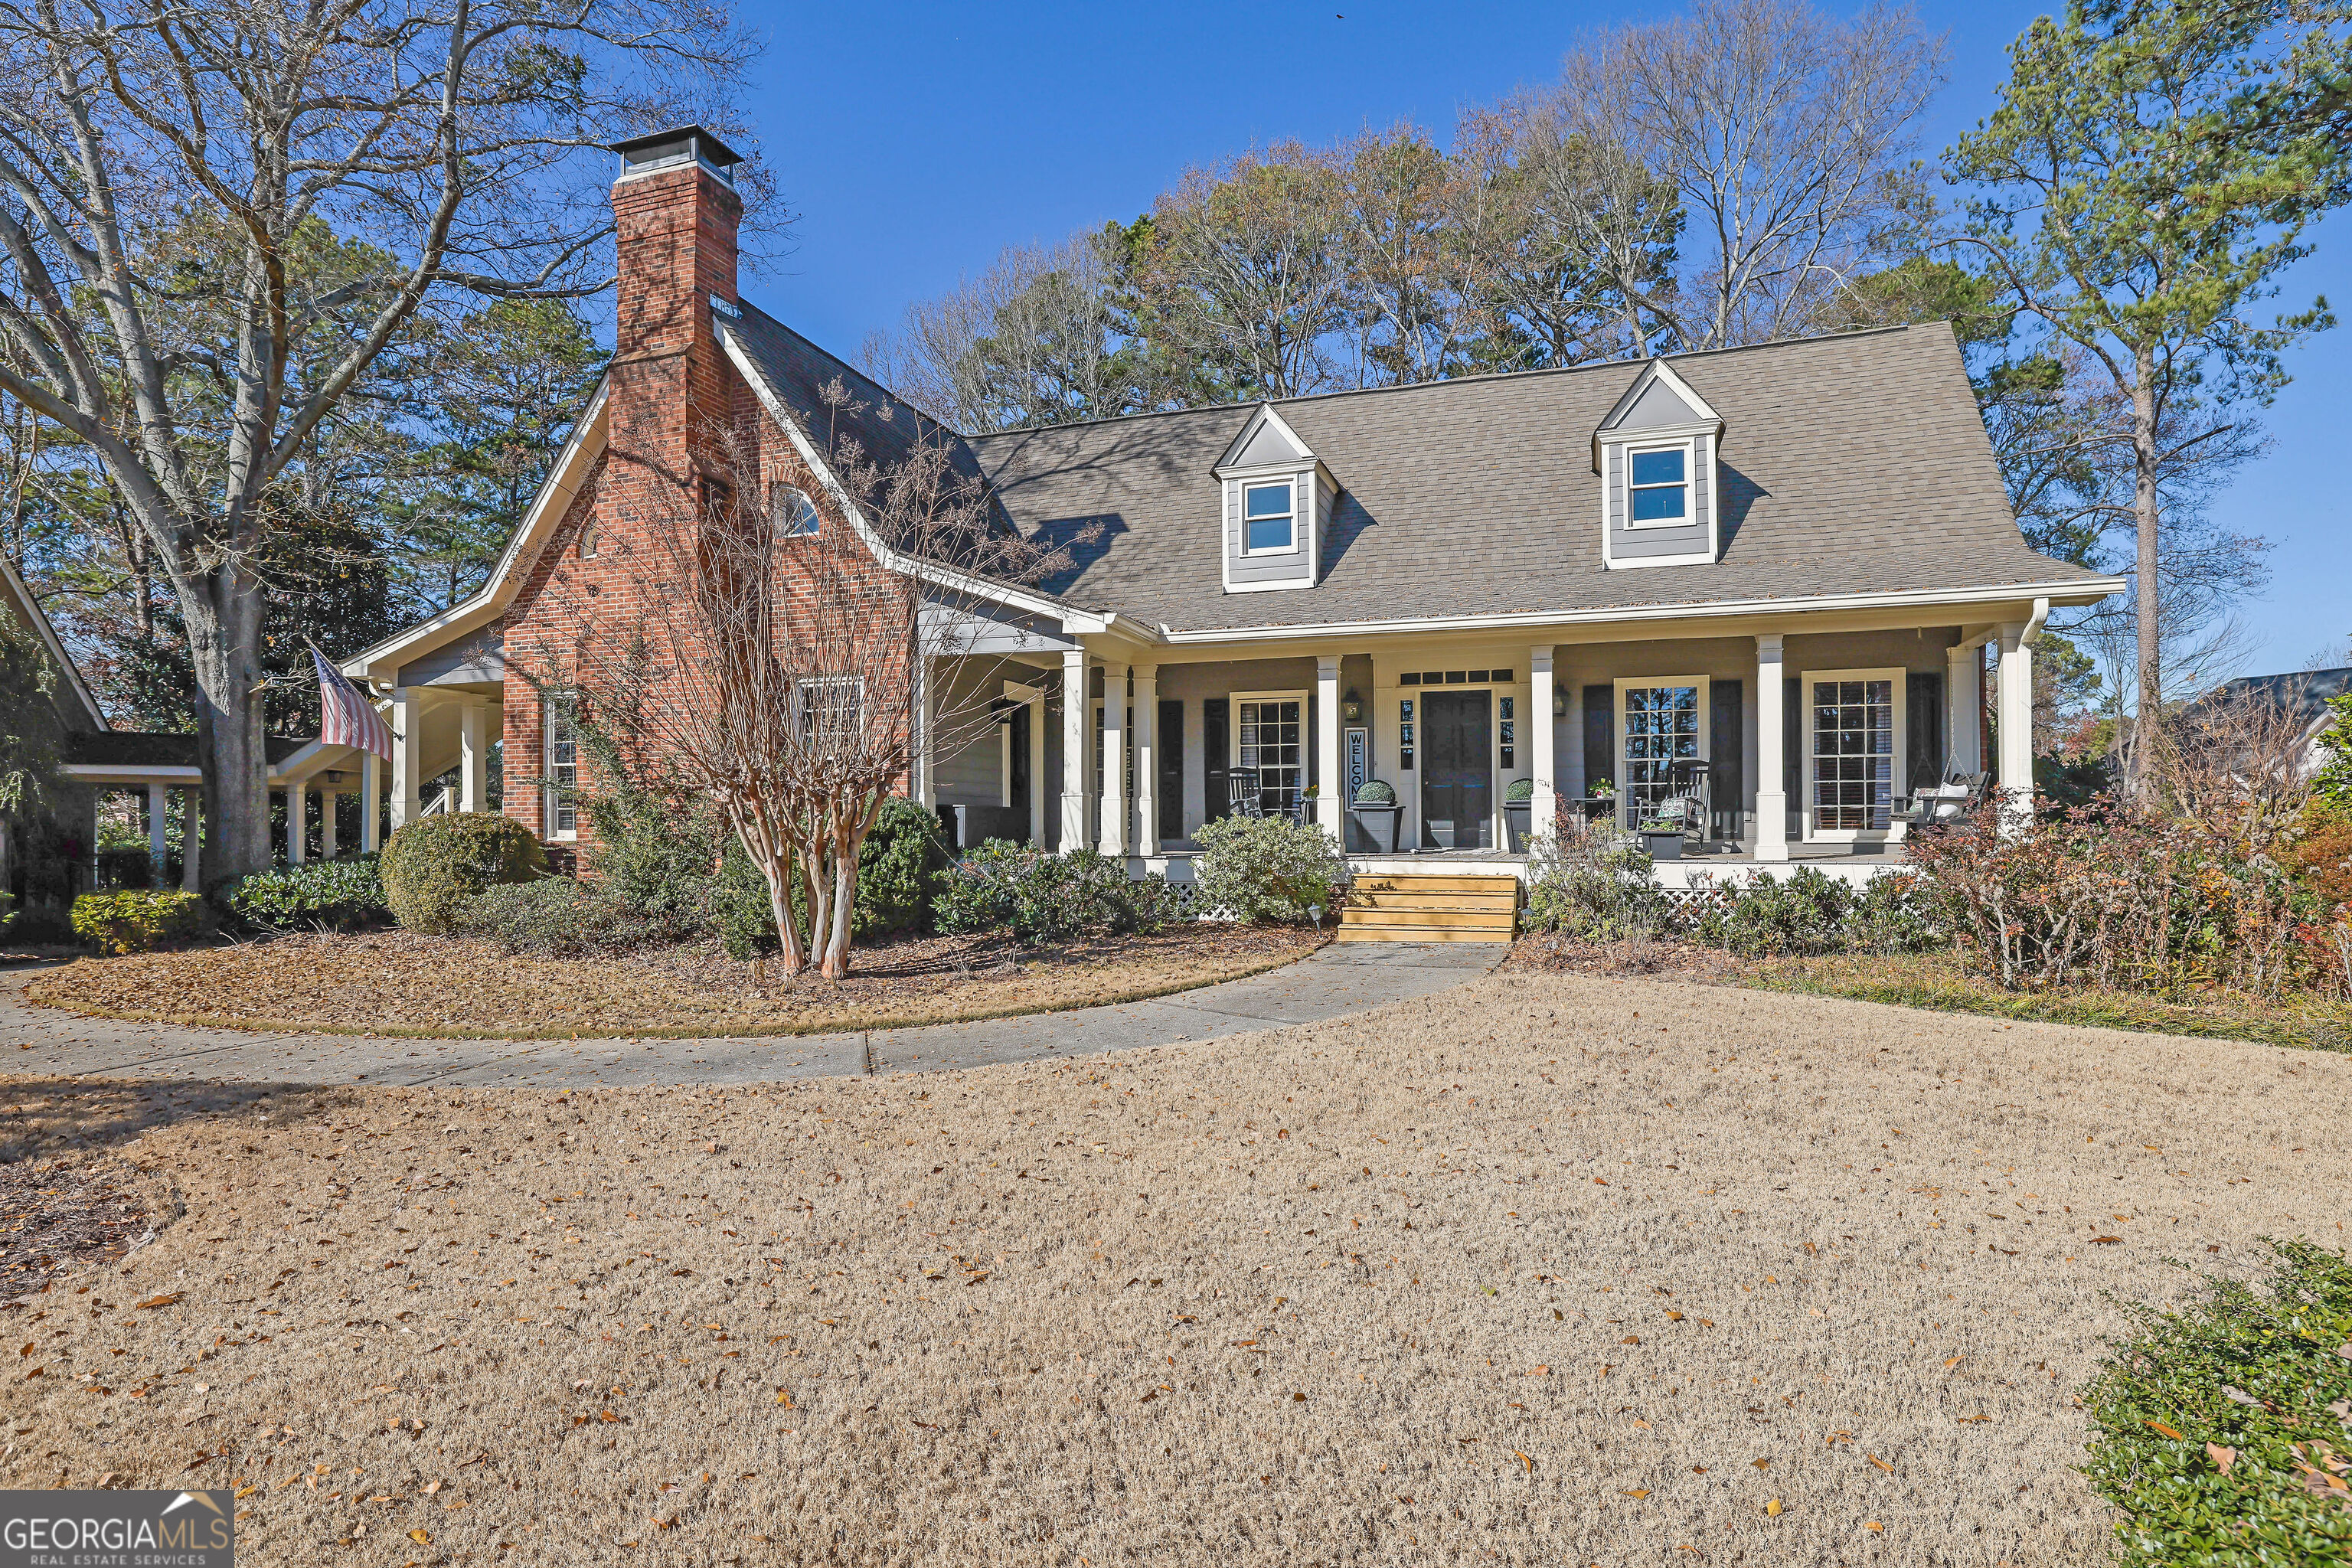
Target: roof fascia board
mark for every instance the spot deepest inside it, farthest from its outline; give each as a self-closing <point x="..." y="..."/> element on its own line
<point x="2084" y="591"/>
<point x="930" y="572"/>
<point x="31" y="607"/>
<point x="581" y="449"/>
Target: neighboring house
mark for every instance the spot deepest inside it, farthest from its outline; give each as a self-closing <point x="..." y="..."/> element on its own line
<point x="1781" y="561"/>
<point x="100" y="759"/>
<point x="2300" y="697"/>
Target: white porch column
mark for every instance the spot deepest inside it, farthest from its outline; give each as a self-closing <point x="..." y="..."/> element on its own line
<point x="407" y="740"/>
<point x="1771" y="737"/>
<point x="159" y="807"/>
<point x="1036" y="701"/>
<point x="298" y="822"/>
<point x="327" y="799"/>
<point x="1330" y="809"/>
<point x="1964" y="709"/>
<point x="1076" y="741"/>
<point x="1146" y="759"/>
<point x="370" y="802"/>
<point x="1114" y="759"/>
<point x="1536" y="735"/>
<point x="192" y="838"/>
<point x="2015" y="735"/>
<point x="922" y="779"/>
<point x="473" y="756"/>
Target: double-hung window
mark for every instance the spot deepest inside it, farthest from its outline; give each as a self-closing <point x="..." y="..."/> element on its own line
<point x="831" y="713"/>
<point x="1659" y="486"/>
<point x="563" y="774"/>
<point x="1269" y="518"/>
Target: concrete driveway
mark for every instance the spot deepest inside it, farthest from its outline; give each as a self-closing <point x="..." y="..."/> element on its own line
<point x="1334" y="980"/>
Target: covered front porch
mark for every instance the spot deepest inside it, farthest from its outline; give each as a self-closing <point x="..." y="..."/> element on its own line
<point x="1800" y="736"/>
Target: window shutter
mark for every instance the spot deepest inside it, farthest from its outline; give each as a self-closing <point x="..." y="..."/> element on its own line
<point x="1599" y="737"/>
<point x="1216" y="754"/>
<point x="1922" y="707"/>
<point x="1726" y="772"/>
<point x="1792" y="744"/>
<point x="1169" y="737"/>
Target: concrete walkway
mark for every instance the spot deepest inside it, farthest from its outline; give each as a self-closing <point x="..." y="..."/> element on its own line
<point x="1334" y="980"/>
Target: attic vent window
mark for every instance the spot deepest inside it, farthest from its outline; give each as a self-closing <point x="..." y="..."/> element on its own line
<point x="1661" y="485"/>
<point x="794" y="514"/>
<point x="1272" y="522"/>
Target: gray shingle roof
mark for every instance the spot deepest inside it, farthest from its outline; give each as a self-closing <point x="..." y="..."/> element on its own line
<point x="1852" y="464"/>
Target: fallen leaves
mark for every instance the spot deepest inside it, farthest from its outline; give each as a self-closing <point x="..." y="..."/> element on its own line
<point x="2222" y="1458"/>
<point x="2170" y="1432"/>
<point x="168" y="1298"/>
<point x="1880" y="1463"/>
<point x="1773" y="1509"/>
<point x="420" y="1537"/>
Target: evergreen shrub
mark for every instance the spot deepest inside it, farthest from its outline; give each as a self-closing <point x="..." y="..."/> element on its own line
<point x="1269" y="869"/>
<point x="321" y="895"/>
<point x="138" y="921"/>
<point x="435" y="864"/>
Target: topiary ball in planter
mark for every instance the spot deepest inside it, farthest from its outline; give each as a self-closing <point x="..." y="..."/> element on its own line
<point x="1375" y="792"/>
<point x="433" y="865"/>
<point x="1519" y="790"/>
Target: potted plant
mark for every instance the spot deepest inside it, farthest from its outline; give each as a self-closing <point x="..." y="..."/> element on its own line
<point x="1661" y="833"/>
<point x="1518" y="803"/>
<point x="1377" y="811"/>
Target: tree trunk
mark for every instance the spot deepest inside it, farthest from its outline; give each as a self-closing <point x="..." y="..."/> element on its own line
<point x="223" y="621"/>
<point x="2149" y="724"/>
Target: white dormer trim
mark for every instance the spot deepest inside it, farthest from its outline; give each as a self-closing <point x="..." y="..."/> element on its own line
<point x="1612" y="451"/>
<point x="1310" y="484"/>
<point x="1231" y="465"/>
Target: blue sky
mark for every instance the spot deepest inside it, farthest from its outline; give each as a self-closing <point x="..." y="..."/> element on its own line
<point x="916" y="142"/>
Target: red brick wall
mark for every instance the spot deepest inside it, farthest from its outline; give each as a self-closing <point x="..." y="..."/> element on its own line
<point x="672" y="399"/>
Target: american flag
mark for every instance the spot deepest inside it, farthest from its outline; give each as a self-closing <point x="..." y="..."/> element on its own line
<point x="346" y="718"/>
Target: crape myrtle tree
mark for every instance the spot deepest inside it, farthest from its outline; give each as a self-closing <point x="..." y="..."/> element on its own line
<point x="773" y="666"/>
<point x="2151" y="169"/>
<point x="455" y="138"/>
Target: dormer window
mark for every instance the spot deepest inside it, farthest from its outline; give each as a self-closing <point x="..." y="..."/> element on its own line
<point x="1274" y="502"/>
<point x="1655" y="455"/>
<point x="1661" y="486"/>
<point x="1271" y="517"/>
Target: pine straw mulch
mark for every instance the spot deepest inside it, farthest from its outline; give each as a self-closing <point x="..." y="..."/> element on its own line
<point x="62" y="1217"/>
<point x="399" y="983"/>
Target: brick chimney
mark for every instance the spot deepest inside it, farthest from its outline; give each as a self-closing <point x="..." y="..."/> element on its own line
<point x="669" y="386"/>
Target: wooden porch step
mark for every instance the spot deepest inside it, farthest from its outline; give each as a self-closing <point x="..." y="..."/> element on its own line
<point x="1402" y="907"/>
<point x="1410" y="882"/>
<point x="1417" y="933"/>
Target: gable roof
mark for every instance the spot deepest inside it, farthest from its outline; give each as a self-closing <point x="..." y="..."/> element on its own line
<point x="1850" y="465"/>
<point x="76" y="704"/>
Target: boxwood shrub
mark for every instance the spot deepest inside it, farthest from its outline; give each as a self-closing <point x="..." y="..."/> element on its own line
<point x="435" y="864"/>
<point x="1041" y="897"/>
<point x="2221" y="1428"/>
<point x="136" y="921"/>
<point x="324" y="895"/>
<point x="1260" y="868"/>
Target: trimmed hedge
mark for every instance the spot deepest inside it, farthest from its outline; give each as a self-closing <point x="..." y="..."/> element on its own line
<point x="900" y="868"/>
<point x="554" y="917"/>
<point x="1041" y="897"/>
<point x="327" y="895"/>
<point x="434" y="864"/>
<point x="136" y="921"/>
<point x="2221" y="1427"/>
<point x="1376" y="792"/>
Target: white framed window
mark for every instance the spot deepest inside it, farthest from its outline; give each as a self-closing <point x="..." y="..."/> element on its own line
<point x="1269" y="737"/>
<point x="1662" y="721"/>
<point x="562" y="770"/>
<point x="1270" y="518"/>
<point x="794" y="515"/>
<point x="833" y="710"/>
<point x="1658" y="485"/>
<point x="1853" y="750"/>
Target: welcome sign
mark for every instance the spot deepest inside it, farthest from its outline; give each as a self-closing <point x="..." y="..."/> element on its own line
<point x="117" y="1529"/>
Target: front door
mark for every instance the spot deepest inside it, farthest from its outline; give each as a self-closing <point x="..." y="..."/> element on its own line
<point x="1457" y="770"/>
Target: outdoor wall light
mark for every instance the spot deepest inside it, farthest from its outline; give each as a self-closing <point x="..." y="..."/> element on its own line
<point x="1559" y="700"/>
<point x="1351" y="707"/>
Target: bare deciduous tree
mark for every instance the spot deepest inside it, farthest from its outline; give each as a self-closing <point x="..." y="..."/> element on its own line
<point x="1787" y="133"/>
<point x="448" y="135"/>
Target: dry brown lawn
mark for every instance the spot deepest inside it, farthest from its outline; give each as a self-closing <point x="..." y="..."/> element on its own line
<point x="1548" y="1269"/>
<point x="398" y="983"/>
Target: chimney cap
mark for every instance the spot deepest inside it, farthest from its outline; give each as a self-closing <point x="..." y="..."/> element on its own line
<point x="687" y="141"/>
